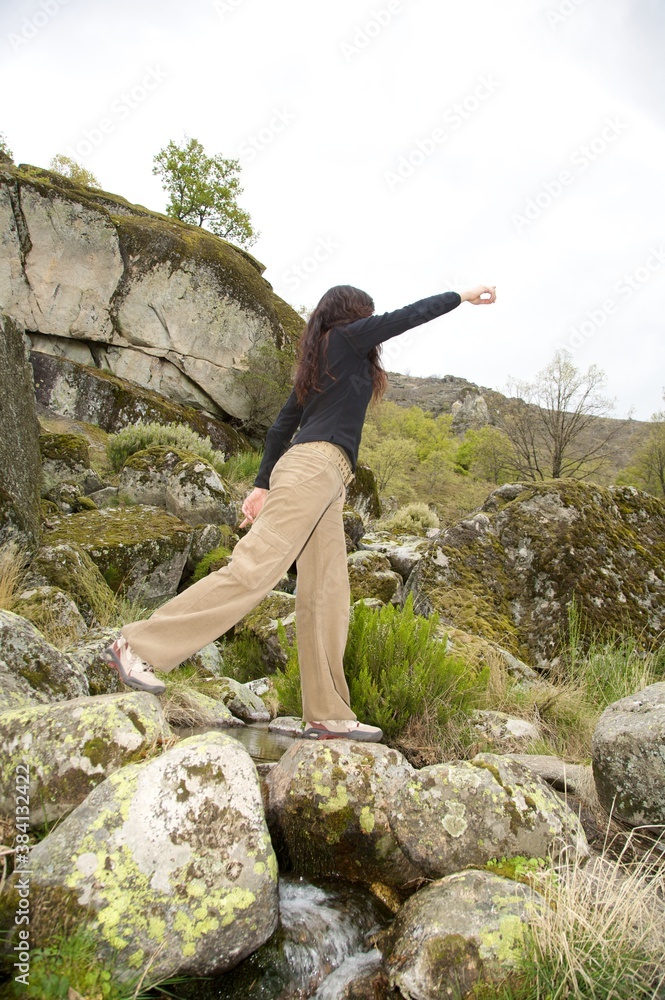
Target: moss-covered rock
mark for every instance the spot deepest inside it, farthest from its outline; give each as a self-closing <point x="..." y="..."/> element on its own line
<point x="363" y="493"/>
<point x="47" y="606"/>
<point x="449" y="816"/>
<point x="89" y="654"/>
<point x="479" y="652"/>
<point x="465" y="929"/>
<point x="510" y="572"/>
<point x="139" y="550"/>
<point x="20" y="465"/>
<point x="242" y="702"/>
<point x="69" y="567"/>
<point x="628" y="758"/>
<point x="354" y="528"/>
<point x="30" y="667"/>
<point x="403" y="552"/>
<point x="72" y="746"/>
<point x="329" y="805"/>
<point x="168" y="861"/>
<point x="263" y="623"/>
<point x="66" y="458"/>
<point x="370" y="575"/>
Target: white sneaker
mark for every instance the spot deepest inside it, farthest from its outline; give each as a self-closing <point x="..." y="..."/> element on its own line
<point x="134" y="672"/>
<point x="341" y="729"/>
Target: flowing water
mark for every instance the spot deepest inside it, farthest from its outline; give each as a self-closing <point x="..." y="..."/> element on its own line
<point x="261" y="745"/>
<point x="323" y="942"/>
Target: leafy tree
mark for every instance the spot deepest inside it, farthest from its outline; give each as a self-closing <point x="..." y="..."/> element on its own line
<point x="487" y="453"/>
<point x="552" y="424"/>
<point x="266" y="382"/>
<point x="74" y="171"/>
<point x="5" y="152"/>
<point x="648" y="468"/>
<point x="203" y="189"/>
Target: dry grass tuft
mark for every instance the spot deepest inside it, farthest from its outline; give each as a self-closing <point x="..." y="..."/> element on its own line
<point x="13" y="562"/>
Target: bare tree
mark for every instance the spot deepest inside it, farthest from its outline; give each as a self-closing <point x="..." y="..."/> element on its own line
<point x="553" y="424"/>
<point x="648" y="468"/>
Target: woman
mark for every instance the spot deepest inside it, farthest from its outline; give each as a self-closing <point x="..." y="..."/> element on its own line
<point x="295" y="510"/>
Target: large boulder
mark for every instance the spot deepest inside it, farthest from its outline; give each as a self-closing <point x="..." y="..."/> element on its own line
<point x="466" y="928"/>
<point x="71" y="746"/>
<point x="139" y="550"/>
<point x="448" y="816"/>
<point x="20" y="463"/>
<point x="628" y="757"/>
<point x="67" y="566"/>
<point x="510" y="572"/>
<point x="370" y="575"/>
<point x="48" y="607"/>
<point x="66" y="459"/>
<point x="165" y="304"/>
<point x="89" y="655"/>
<point x="167" y="862"/>
<point x="187" y="486"/>
<point x="264" y="623"/>
<point x="329" y="805"/>
<point x="403" y="552"/>
<point x="31" y="669"/>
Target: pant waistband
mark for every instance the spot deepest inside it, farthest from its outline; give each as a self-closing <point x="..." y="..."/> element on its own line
<point x="335" y="452"/>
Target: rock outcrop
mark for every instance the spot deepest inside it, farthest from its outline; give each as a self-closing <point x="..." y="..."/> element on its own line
<point x="511" y="571"/>
<point x="20" y="463"/>
<point x="116" y="286"/>
<point x="31" y="669"/>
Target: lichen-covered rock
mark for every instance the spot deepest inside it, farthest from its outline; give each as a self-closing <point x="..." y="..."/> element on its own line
<point x="511" y="571"/>
<point x="46" y="606"/>
<point x="209" y="660"/>
<point x="205" y="539"/>
<point x="169" y="861"/>
<point x="196" y="494"/>
<point x="31" y="667"/>
<point x="448" y="816"/>
<point x="242" y="702"/>
<point x="403" y="552"/>
<point x="286" y="725"/>
<point x="66" y="458"/>
<point x="503" y="731"/>
<point x="463" y="929"/>
<point x="329" y="804"/>
<point x="140" y="551"/>
<point x="72" y="746"/>
<point x="166" y="304"/>
<point x="370" y="575"/>
<point x="20" y="462"/>
<point x="628" y="757"/>
<point x="354" y="529"/>
<point x="69" y="567"/>
<point x="84" y="393"/>
<point x="102" y="678"/>
<point x="278" y="608"/>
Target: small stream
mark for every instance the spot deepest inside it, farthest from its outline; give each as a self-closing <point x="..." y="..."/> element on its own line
<point x="324" y="941"/>
<point x="325" y="937"/>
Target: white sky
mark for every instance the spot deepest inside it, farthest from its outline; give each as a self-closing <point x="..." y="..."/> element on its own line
<point x="354" y="87"/>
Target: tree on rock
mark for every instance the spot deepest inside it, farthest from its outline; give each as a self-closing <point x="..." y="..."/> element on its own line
<point x="6" y="154"/>
<point x="203" y="189"/>
<point x="69" y="168"/>
<point x="553" y="423"/>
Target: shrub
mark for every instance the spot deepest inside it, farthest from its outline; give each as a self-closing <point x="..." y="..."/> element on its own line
<point x="140" y="436"/>
<point x="414" y="519"/>
<point x="396" y="670"/>
<point x="243" y="467"/>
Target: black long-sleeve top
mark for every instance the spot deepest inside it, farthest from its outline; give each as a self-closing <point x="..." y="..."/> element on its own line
<point x="336" y="412"/>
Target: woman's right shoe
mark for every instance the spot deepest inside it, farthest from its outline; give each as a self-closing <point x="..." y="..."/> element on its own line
<point x="134" y="672"/>
<point x="341" y="729"/>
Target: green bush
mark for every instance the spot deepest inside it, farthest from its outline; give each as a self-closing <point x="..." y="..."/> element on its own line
<point x="210" y="562"/>
<point x="243" y="659"/>
<point x="242" y="467"/>
<point x="140" y="436"/>
<point x="397" y="670"/>
<point x="414" y="519"/>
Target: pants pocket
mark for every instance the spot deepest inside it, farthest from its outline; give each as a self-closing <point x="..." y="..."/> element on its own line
<point x="259" y="558"/>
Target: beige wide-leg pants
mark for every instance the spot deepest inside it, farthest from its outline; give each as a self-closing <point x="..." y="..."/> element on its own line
<point x="301" y="521"/>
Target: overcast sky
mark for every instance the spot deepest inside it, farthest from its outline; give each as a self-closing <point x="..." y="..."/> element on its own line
<point x="403" y="146"/>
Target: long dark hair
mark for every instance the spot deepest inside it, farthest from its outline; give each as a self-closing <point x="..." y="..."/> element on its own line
<point x="340" y="305"/>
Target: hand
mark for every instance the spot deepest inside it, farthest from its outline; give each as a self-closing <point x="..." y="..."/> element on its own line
<point x="474" y="295"/>
<point x="253" y="504"/>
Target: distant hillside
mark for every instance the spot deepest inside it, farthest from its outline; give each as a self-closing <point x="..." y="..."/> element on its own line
<point x="474" y="406"/>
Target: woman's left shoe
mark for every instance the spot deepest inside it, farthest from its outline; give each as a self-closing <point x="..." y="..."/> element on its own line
<point x="341" y="729"/>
